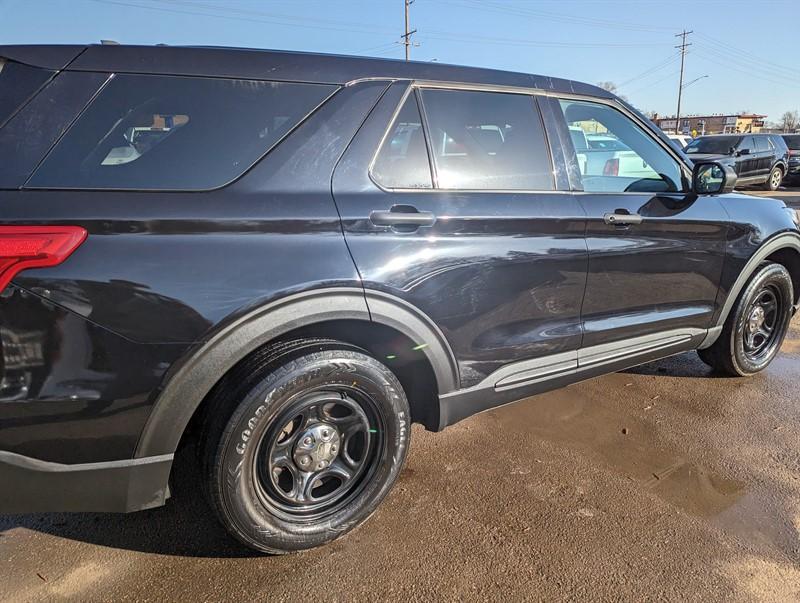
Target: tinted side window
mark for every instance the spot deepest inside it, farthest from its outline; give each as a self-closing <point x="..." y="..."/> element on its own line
<point x="487" y="140"/>
<point x="33" y="130"/>
<point x="620" y="156"/>
<point x="778" y="143"/>
<point x="179" y="133"/>
<point x="402" y="161"/>
<point x="793" y="142"/>
<point x="747" y="143"/>
<point x="762" y="144"/>
<point x="18" y="83"/>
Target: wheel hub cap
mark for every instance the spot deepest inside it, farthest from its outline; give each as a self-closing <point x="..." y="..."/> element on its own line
<point x="317" y="447"/>
<point x="756" y="319"/>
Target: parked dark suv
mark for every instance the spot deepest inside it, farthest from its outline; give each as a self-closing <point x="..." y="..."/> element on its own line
<point x="287" y="259"/>
<point x="757" y="159"/>
<point x="793" y="142"/>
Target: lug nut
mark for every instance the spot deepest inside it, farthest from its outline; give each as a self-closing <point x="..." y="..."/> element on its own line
<point x="308" y="441"/>
<point x="322" y="465"/>
<point x="333" y="448"/>
<point x="325" y="434"/>
<point x="304" y="460"/>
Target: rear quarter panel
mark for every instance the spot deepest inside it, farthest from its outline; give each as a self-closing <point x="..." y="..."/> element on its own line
<point x="161" y="272"/>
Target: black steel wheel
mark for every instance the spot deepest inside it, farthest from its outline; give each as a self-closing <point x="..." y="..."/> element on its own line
<point x="318" y="451"/>
<point x="762" y="315"/>
<point x="303" y="443"/>
<point x="755" y="328"/>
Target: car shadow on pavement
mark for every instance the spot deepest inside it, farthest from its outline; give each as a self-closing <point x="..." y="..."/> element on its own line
<point x="683" y="365"/>
<point x="186" y="526"/>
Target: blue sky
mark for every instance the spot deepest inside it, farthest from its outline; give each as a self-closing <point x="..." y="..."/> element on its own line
<point x="629" y="43"/>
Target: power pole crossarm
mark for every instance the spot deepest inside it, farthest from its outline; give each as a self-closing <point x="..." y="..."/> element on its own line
<point x="682" y="46"/>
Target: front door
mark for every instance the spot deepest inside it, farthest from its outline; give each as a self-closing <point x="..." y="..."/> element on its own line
<point x="457" y="214"/>
<point x="747" y="158"/>
<point x="655" y="251"/>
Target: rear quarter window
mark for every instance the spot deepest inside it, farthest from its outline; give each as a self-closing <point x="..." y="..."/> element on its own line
<point x="148" y="132"/>
<point x="18" y="83"/>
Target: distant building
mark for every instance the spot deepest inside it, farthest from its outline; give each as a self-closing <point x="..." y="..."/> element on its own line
<point x="696" y="125"/>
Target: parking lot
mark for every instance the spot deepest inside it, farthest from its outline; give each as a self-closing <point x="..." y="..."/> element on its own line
<point x="662" y="482"/>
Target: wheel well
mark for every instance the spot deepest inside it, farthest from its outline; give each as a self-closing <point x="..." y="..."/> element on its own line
<point x="397" y="351"/>
<point x="790" y="259"/>
<point x="394" y="349"/>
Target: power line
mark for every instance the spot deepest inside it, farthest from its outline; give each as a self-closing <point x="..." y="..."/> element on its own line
<point x="682" y="46"/>
<point x="758" y="61"/>
<point x="672" y="58"/>
<point x="716" y="60"/>
<point x="650" y="86"/>
<point x="557" y="17"/>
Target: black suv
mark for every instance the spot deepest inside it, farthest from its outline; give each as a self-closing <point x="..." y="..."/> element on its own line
<point x="287" y="259"/>
<point x="757" y="159"/>
<point x="793" y="142"/>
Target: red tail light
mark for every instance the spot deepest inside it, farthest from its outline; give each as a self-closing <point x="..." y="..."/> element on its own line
<point x="611" y="168"/>
<point x="23" y="247"/>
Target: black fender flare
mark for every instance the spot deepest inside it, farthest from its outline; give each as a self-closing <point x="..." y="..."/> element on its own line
<point x="189" y="381"/>
<point x="786" y="240"/>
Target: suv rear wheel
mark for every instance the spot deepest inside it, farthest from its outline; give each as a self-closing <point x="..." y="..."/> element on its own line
<point x="305" y="442"/>
<point x="773" y="183"/>
<point x="755" y="329"/>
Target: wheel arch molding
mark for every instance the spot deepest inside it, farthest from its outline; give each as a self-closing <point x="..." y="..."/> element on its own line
<point x="774" y="248"/>
<point x="191" y="379"/>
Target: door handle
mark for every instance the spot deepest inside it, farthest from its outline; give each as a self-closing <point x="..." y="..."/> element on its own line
<point x="617" y="219"/>
<point x="407" y="216"/>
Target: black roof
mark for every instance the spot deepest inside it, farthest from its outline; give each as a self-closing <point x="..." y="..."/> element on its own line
<point x="273" y="65"/>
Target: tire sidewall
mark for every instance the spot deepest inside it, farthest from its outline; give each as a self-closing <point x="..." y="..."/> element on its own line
<point x="252" y="521"/>
<point x="779" y="276"/>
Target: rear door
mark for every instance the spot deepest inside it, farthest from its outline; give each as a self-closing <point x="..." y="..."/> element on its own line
<point x="655" y="250"/>
<point x="449" y="202"/>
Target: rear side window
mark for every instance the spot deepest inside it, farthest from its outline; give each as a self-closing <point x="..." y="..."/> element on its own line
<point x="18" y="83"/>
<point x="487" y="140"/>
<point x="146" y="132"/>
<point x="402" y="161"/>
<point x="762" y="144"/>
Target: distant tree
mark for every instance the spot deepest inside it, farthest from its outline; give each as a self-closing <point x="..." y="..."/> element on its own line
<point x="789" y="121"/>
<point x="650" y="114"/>
<point x="612" y="88"/>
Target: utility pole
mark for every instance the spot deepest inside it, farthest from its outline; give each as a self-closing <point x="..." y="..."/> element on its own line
<point x="407" y="35"/>
<point x="682" y="46"/>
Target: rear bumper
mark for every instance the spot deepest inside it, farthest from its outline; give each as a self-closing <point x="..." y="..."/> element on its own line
<point x="30" y="485"/>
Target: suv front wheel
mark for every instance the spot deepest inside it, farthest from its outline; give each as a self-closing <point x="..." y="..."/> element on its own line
<point x="755" y="329"/>
<point x="303" y="444"/>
